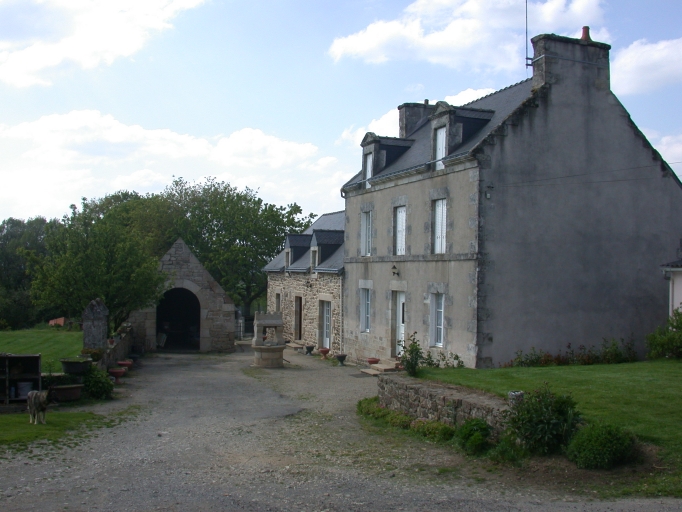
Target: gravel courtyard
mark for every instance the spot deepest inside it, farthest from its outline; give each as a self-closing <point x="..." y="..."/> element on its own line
<point x="212" y="433"/>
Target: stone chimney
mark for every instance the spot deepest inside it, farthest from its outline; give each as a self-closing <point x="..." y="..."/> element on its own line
<point x="567" y="61"/>
<point x="411" y="114"/>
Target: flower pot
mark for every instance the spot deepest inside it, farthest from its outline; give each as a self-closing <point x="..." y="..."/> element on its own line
<point x="117" y="373"/>
<point x="75" y="365"/>
<point x="341" y="358"/>
<point x="372" y="360"/>
<point x="125" y="364"/>
<point x="68" y="393"/>
<point x="324" y="352"/>
<point x="309" y="350"/>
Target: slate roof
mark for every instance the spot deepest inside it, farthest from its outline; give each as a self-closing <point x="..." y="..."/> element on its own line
<point x="328" y="233"/>
<point x="673" y="264"/>
<point x="503" y="103"/>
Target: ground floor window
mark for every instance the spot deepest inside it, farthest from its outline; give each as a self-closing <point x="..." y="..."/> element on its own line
<point x="326" y="320"/>
<point x="437" y="317"/>
<point x="365" y="297"/>
<point x="298" y="318"/>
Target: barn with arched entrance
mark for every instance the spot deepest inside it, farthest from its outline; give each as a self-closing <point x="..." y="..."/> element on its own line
<point x="194" y="313"/>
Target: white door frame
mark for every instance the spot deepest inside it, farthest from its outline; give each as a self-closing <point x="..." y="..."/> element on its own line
<point x="399" y="321"/>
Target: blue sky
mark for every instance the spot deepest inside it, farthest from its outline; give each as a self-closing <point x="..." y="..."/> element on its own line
<point x="101" y="96"/>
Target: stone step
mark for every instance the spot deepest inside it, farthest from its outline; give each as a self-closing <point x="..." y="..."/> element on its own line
<point x="383" y="367"/>
<point x="371" y="372"/>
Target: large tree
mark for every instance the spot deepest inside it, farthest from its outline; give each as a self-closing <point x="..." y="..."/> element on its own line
<point x="16" y="235"/>
<point x="234" y="233"/>
<point x="98" y="251"/>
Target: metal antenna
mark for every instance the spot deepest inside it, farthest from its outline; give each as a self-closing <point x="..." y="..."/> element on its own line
<point x="529" y="60"/>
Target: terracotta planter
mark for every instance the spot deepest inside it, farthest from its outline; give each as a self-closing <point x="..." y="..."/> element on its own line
<point x="75" y="365"/>
<point x="68" y="393"/>
<point x="324" y="352"/>
<point x="117" y="373"/>
<point x="372" y="360"/>
<point x="125" y="364"/>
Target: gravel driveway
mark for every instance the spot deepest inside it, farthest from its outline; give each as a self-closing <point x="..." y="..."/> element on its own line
<point x="214" y="434"/>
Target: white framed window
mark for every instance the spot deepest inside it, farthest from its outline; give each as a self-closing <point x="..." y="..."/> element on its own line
<point x="365" y="308"/>
<point x="369" y="162"/>
<point x="439" y="223"/>
<point x="440" y="147"/>
<point x="437" y="317"/>
<point x="326" y="310"/>
<point x="399" y="221"/>
<point x="366" y="234"/>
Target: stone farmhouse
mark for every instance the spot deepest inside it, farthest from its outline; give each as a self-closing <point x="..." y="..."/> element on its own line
<point x="305" y="283"/>
<point x="194" y="314"/>
<point x="536" y="216"/>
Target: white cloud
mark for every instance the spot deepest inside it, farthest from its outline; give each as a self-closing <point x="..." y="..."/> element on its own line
<point x="85" y="32"/>
<point x="479" y="34"/>
<point x="644" y="66"/>
<point x="386" y="125"/>
<point x="467" y="96"/>
<point x="55" y="160"/>
<point x="670" y="147"/>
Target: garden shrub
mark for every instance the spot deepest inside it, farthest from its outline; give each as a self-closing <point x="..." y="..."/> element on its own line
<point x="369" y="407"/>
<point x="508" y="450"/>
<point x="97" y="384"/>
<point x="666" y="341"/>
<point x="600" y="446"/>
<point x="413" y="357"/>
<point x="433" y="430"/>
<point x="543" y="422"/>
<point x="472" y="436"/>
<point x="398" y="419"/>
<point x="611" y="352"/>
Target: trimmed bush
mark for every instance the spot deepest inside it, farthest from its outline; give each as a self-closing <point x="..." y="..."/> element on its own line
<point x="601" y="446"/>
<point x="97" y="384"/>
<point x="433" y="430"/>
<point x="472" y="436"/>
<point x="543" y="422"/>
<point x="508" y="450"/>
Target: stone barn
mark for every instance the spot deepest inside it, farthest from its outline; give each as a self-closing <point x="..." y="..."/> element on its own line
<point x="194" y="314"/>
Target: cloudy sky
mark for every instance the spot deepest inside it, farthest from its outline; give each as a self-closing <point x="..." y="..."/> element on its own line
<point x="276" y="95"/>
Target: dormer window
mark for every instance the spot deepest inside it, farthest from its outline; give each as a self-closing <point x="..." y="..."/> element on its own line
<point x="287" y="258"/>
<point x="369" y="162"/>
<point x="440" y="147"/>
<point x="313" y="258"/>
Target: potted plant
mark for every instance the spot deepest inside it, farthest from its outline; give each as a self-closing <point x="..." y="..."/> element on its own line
<point x="324" y="352"/>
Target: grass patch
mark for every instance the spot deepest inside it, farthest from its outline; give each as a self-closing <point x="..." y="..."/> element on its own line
<point x="643" y="397"/>
<point x="53" y="344"/>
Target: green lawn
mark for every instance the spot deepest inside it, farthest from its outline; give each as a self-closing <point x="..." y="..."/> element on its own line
<point x="645" y="397"/>
<point x="15" y="430"/>
<point x="52" y="343"/>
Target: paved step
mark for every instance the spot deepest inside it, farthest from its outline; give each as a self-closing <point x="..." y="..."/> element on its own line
<point x="383" y="367"/>
<point x="371" y="372"/>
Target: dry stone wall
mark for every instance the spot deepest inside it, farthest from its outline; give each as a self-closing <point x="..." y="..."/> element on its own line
<point x="440" y="402"/>
<point x="312" y="288"/>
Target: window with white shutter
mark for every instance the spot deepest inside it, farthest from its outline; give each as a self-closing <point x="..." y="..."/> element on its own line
<point x="369" y="161"/>
<point x="439" y="218"/>
<point x="437" y="317"/>
<point x="399" y="223"/>
<point x="440" y="147"/>
<point x="365" y="297"/>
<point x="366" y="234"/>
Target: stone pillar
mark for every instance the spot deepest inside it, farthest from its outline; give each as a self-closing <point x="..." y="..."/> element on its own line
<point x="95" y="326"/>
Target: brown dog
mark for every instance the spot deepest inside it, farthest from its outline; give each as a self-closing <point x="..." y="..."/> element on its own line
<point x="37" y="404"/>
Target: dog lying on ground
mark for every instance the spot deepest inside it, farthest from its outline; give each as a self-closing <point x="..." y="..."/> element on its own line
<point x="37" y="404"/>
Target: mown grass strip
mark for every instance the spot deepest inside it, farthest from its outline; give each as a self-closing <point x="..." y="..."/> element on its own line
<point x="54" y="344"/>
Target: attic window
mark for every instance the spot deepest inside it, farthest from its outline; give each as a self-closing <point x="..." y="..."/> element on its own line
<point x="369" y="162"/>
<point x="287" y="258"/>
<point x="313" y="258"/>
<point x="440" y="147"/>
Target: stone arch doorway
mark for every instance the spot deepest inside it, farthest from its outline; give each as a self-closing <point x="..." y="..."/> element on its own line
<point x="178" y="316"/>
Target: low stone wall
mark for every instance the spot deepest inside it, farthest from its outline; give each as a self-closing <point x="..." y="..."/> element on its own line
<point x="441" y="402"/>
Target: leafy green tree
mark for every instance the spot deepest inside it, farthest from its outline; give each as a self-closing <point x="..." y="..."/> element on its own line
<point x="234" y="233"/>
<point x="94" y="253"/>
<point x="16" y="308"/>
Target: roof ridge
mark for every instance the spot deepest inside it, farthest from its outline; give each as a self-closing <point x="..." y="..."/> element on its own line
<point x="331" y="213"/>
<point x="495" y="92"/>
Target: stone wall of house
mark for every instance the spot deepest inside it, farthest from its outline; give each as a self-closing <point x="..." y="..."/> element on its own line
<point x="441" y="402"/>
<point x="312" y="288"/>
<point x="217" y="309"/>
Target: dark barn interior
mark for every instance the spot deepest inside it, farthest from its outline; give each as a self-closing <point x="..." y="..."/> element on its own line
<point x="178" y="317"/>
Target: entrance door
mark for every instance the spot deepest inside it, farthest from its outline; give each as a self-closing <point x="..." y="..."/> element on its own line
<point x="326" y="324"/>
<point x="400" y="322"/>
<point x="298" y="318"/>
